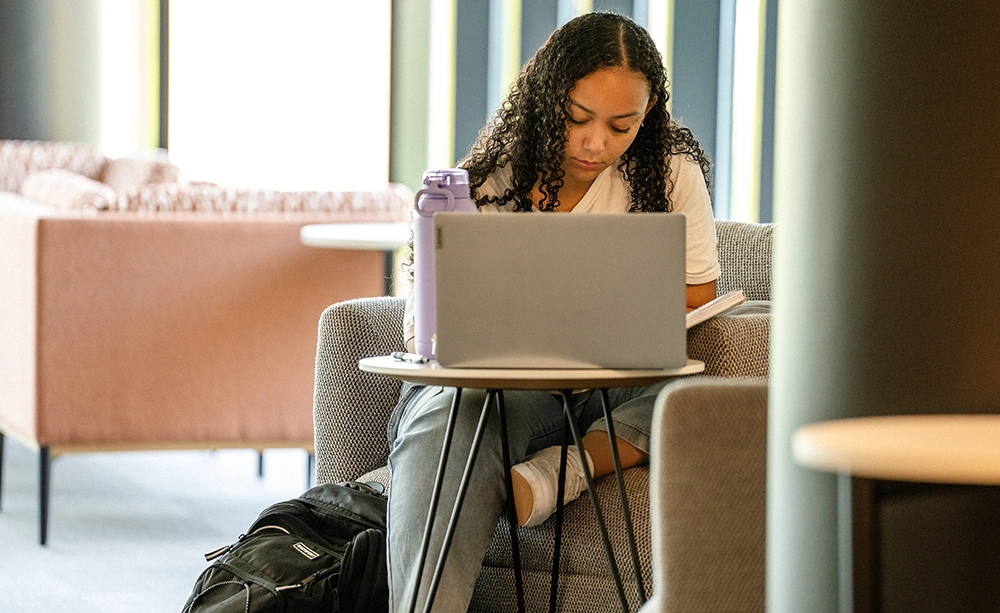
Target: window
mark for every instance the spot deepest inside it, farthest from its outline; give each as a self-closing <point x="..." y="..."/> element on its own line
<point x="745" y="175"/>
<point x="286" y="95"/>
<point x="129" y="75"/>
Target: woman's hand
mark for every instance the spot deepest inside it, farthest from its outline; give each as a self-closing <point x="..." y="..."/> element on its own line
<point x="700" y="294"/>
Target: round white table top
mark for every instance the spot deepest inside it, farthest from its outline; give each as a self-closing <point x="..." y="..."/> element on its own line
<point x="960" y="449"/>
<point x="380" y="236"/>
<point x="433" y="373"/>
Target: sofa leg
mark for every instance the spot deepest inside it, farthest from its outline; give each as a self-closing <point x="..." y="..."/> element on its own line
<point x="260" y="464"/>
<point x="44" y="470"/>
<point x="310" y="465"/>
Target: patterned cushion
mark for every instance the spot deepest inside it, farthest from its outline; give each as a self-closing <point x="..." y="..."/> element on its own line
<point x="206" y="197"/>
<point x="20" y="158"/>
<point x="67" y="190"/>
<point x="138" y="170"/>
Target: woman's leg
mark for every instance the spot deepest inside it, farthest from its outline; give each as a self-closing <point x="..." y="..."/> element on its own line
<point x="598" y="445"/>
<point x="632" y="412"/>
<point x="534" y="420"/>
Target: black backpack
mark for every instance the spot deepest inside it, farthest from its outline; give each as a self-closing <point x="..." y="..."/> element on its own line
<point x="323" y="551"/>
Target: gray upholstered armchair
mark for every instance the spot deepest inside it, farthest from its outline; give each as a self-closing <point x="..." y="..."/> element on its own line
<point x="352" y="409"/>
<point x="708" y="478"/>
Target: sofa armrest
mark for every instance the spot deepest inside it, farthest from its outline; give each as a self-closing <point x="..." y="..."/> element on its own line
<point x="708" y="479"/>
<point x="735" y="343"/>
<point x="176" y="330"/>
<point x="19" y="219"/>
<point x="351" y="408"/>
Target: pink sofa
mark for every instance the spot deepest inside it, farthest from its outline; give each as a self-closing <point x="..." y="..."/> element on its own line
<point x="124" y="330"/>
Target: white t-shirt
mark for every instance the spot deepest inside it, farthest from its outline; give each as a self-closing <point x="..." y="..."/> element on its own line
<point x="610" y="194"/>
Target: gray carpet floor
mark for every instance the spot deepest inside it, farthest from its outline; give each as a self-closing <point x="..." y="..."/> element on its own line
<point x="127" y="531"/>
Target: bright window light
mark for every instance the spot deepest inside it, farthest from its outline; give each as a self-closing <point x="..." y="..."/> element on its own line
<point x="441" y="87"/>
<point x="747" y="107"/>
<point x="129" y="75"/>
<point x="659" y="18"/>
<point x="286" y="95"/>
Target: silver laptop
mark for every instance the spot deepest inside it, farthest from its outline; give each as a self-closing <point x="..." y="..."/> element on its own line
<point x="554" y="290"/>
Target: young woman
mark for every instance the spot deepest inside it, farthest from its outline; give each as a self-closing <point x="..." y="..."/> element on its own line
<point x="584" y="129"/>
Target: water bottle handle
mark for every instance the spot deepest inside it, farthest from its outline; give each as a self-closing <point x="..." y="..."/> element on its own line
<point x="434" y="189"/>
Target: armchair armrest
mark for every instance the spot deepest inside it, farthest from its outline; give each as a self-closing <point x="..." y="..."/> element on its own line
<point x="351" y="408"/>
<point x="708" y="480"/>
<point x="734" y="343"/>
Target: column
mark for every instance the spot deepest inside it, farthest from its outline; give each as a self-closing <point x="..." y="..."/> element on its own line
<point x="50" y="73"/>
<point x="887" y="161"/>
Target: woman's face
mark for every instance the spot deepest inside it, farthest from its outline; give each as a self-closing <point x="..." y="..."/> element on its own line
<point x="605" y="111"/>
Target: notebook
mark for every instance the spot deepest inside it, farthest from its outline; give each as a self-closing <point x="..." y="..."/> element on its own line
<point x="555" y="290"/>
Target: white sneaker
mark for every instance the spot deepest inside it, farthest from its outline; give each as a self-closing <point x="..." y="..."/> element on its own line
<point x="535" y="494"/>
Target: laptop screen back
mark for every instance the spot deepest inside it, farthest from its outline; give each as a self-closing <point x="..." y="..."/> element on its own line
<point x="551" y="290"/>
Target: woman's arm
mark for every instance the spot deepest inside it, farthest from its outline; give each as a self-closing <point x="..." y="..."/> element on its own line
<point x="700" y="294"/>
<point x="690" y="197"/>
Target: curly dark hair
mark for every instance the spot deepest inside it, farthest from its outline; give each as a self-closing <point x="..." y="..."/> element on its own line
<point x="528" y="131"/>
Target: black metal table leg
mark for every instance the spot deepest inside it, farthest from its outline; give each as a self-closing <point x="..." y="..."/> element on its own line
<point x="515" y="549"/>
<point x="560" y="493"/>
<point x="602" y="527"/>
<point x="626" y="512"/>
<point x="459" y="500"/>
<point x="435" y="494"/>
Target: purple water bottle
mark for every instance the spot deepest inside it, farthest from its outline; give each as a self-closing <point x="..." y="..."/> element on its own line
<point x="444" y="190"/>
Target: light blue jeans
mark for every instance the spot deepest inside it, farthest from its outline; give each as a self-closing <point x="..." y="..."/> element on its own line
<point x="416" y="433"/>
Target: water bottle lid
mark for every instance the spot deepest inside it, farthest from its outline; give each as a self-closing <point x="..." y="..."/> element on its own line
<point x="446" y="177"/>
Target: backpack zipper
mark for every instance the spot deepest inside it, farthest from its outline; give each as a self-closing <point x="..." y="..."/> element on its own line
<point x="212" y="555"/>
<point x="295" y="586"/>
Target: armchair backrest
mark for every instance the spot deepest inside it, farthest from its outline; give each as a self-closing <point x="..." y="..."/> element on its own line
<point x="745" y="258"/>
<point x="351" y="407"/>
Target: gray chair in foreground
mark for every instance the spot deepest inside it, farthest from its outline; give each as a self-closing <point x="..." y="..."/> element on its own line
<point x="351" y="409"/>
<point x="708" y="480"/>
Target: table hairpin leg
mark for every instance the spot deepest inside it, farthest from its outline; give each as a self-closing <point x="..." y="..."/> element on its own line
<point x="515" y="550"/>
<point x="459" y="499"/>
<point x="612" y="563"/>
<point x="494" y="380"/>
<point x="560" y="492"/>
<point x="435" y="495"/>
<point x="626" y="512"/>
